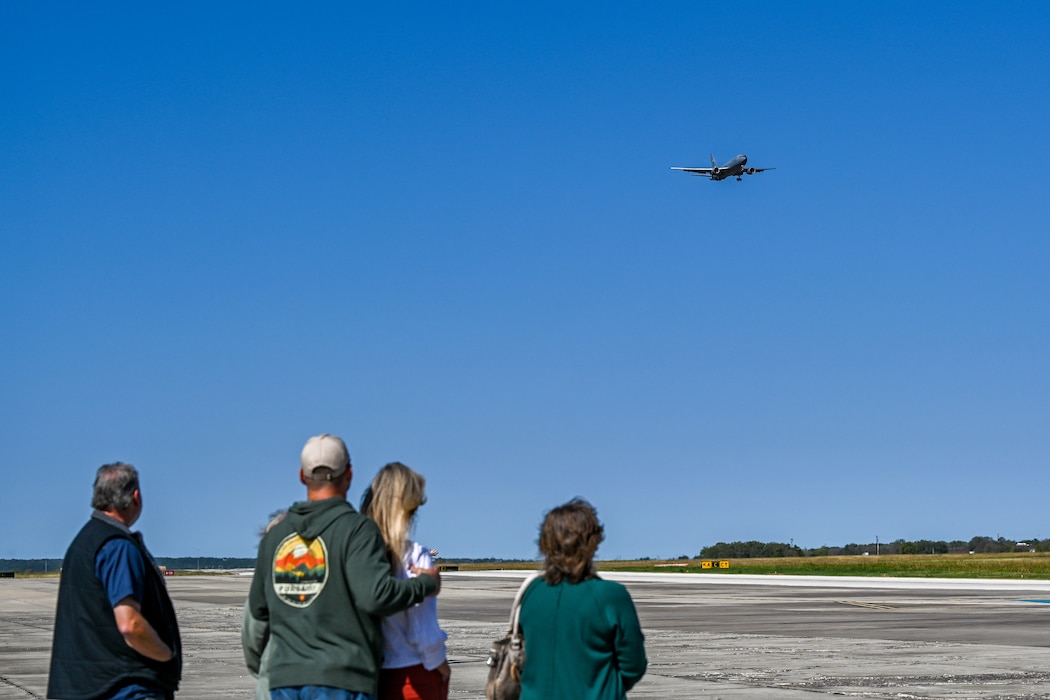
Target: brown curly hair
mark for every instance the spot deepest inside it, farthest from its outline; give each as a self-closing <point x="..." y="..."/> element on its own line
<point x="569" y="537"/>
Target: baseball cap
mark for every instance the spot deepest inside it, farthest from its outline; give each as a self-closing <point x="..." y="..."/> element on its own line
<point x="324" y="451"/>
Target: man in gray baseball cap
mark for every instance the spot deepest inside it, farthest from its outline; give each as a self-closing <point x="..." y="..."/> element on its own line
<point x="324" y="458"/>
<point x="322" y="583"/>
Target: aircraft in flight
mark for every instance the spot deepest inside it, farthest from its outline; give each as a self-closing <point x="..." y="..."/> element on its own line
<point x="733" y="168"/>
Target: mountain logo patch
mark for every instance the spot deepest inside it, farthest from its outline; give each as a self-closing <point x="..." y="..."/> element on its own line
<point x="299" y="571"/>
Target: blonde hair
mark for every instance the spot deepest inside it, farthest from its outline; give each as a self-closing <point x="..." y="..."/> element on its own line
<point x="396" y="493"/>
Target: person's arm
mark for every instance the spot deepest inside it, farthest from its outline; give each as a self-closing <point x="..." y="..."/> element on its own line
<point x="425" y="634"/>
<point x="434" y="573"/>
<point x="255" y="635"/>
<point x="375" y="589"/>
<point x="121" y="568"/>
<point x="629" y="641"/>
<point x="255" y="628"/>
<point x="138" y="632"/>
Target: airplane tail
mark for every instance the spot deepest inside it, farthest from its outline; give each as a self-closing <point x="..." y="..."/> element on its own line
<point x="714" y="163"/>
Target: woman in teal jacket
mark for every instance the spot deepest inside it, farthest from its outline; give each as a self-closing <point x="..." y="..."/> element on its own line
<point x="582" y="637"/>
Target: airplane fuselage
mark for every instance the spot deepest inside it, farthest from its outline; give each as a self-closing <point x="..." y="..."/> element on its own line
<point x="733" y="168"/>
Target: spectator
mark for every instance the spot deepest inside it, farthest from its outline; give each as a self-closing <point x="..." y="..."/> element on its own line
<point x="322" y="584"/>
<point x="582" y="636"/>
<point x="116" y="636"/>
<point x="414" y="663"/>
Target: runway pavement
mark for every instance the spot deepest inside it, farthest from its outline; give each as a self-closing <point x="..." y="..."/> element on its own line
<point x="707" y="635"/>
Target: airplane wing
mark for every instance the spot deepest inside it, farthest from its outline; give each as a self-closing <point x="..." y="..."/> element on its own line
<point x="706" y="172"/>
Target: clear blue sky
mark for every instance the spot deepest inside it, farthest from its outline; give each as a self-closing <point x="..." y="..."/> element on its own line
<point x="449" y="233"/>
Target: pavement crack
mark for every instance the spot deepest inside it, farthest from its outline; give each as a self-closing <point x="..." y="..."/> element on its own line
<point x="869" y="606"/>
<point x="29" y="693"/>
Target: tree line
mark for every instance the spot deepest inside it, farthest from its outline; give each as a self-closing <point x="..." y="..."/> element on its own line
<point x="721" y="550"/>
<point x="976" y="545"/>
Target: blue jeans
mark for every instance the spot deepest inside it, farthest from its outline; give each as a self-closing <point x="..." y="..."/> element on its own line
<point x="317" y="692"/>
<point x="136" y="691"/>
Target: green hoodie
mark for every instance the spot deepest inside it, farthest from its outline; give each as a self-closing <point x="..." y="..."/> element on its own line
<point x="322" y="582"/>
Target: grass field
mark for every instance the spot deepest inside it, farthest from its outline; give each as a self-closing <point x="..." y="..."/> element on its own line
<point x="1006" y="566"/>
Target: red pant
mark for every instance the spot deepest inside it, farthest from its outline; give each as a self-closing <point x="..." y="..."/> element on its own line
<point x="411" y="683"/>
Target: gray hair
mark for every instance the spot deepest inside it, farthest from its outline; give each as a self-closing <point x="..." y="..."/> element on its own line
<point x="115" y="486"/>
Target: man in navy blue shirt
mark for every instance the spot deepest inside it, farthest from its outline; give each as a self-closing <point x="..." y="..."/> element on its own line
<point x="116" y="636"/>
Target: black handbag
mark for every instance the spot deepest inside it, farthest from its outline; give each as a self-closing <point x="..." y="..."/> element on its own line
<point x="507" y="655"/>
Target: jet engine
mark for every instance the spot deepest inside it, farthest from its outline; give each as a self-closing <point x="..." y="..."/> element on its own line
<point x="749" y="171"/>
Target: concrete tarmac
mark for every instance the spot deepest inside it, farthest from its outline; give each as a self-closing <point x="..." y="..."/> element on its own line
<point x="707" y="635"/>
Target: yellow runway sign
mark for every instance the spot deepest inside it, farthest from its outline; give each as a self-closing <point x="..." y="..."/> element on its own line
<point x="714" y="564"/>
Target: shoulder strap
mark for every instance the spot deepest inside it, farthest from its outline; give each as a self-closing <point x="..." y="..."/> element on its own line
<point x="515" y="609"/>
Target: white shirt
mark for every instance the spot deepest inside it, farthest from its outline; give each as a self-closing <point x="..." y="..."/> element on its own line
<point x="413" y="636"/>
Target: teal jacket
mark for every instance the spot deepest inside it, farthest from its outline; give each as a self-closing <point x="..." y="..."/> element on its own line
<point x="582" y="641"/>
<point x="322" y="585"/>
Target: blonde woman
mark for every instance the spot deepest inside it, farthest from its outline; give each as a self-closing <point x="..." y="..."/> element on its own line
<point x="414" y="663"/>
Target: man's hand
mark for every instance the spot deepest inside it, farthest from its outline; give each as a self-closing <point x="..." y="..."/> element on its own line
<point x="433" y="572"/>
<point x="138" y="632"/>
<point x="444" y="671"/>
